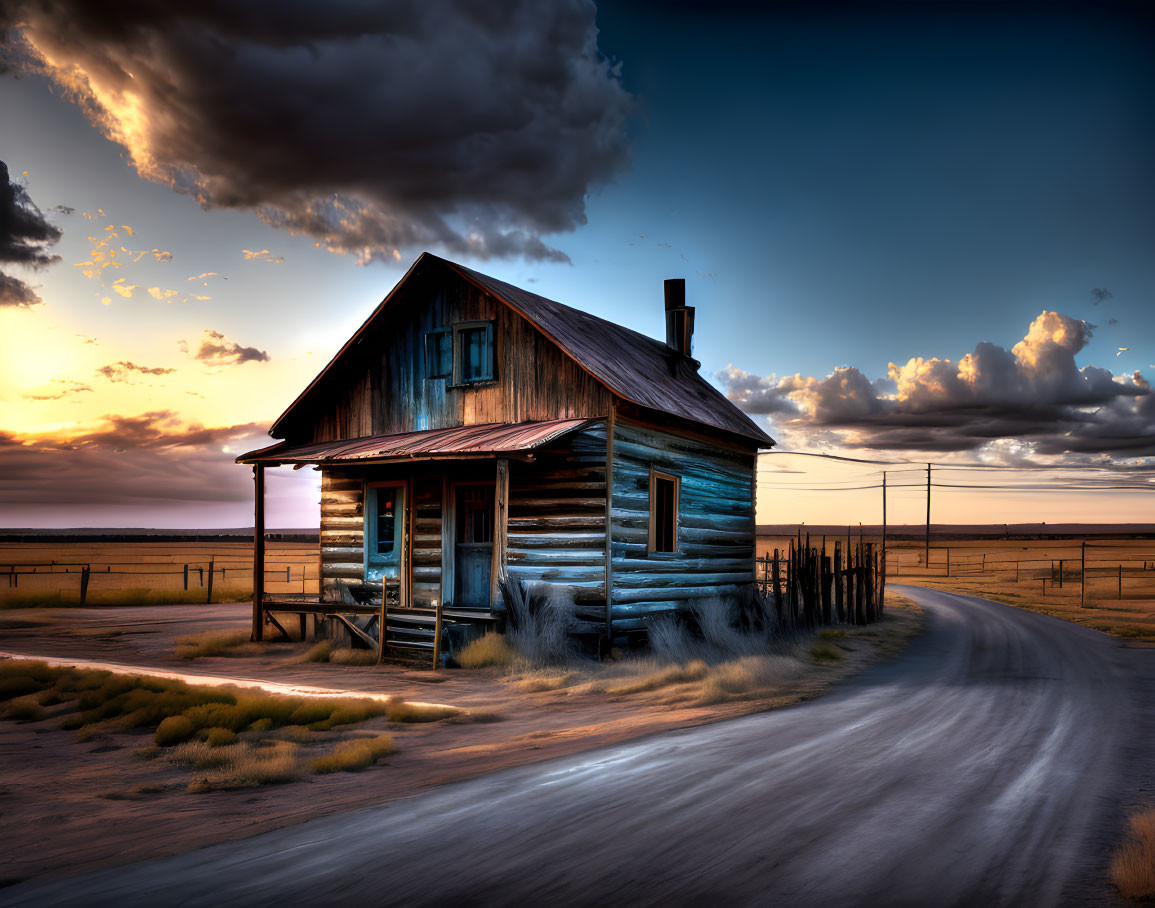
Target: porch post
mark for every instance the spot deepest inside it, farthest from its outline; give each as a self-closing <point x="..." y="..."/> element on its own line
<point x="258" y="552"/>
<point x="500" y="528"/>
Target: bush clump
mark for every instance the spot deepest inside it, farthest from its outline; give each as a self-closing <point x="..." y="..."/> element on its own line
<point x="174" y="730"/>
<point x="491" y="649"/>
<point x="350" y="756"/>
<point x="219" y="737"/>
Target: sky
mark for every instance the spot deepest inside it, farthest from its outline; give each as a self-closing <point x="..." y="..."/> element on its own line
<point x="913" y="232"/>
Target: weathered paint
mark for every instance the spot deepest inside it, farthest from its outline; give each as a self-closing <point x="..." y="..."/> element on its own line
<point x="379" y="386"/>
<point x="715" y="534"/>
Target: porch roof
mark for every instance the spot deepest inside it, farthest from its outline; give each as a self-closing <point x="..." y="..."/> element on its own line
<point x="462" y="441"/>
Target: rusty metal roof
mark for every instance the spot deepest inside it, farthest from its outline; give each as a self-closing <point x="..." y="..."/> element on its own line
<point x="631" y="364"/>
<point x="463" y="441"/>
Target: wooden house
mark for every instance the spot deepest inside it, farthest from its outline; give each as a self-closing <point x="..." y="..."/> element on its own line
<point x="471" y="429"/>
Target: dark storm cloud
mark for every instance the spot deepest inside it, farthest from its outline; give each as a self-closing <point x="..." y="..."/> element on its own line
<point x="372" y="127"/>
<point x="216" y="350"/>
<point x="147" y="459"/>
<point x="1033" y="393"/>
<point x="25" y="236"/>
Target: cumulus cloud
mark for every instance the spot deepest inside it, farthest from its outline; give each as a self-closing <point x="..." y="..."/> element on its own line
<point x="25" y="236"/>
<point x="123" y="371"/>
<point x="217" y="350"/>
<point x="1034" y="393"/>
<point x="152" y="459"/>
<point x="372" y="127"/>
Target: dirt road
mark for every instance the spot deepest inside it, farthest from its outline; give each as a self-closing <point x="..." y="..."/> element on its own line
<point x="988" y="765"/>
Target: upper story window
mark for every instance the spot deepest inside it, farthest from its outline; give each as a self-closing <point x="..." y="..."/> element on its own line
<point x="664" y="494"/>
<point x="439" y="354"/>
<point x="463" y="354"/>
<point x="475" y="352"/>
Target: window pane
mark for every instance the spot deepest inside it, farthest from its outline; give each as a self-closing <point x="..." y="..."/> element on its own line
<point x="476" y="354"/>
<point x="386" y="523"/>
<point x="665" y="515"/>
<point x="438" y="354"/>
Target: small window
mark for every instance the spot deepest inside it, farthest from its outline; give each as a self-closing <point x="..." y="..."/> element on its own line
<point x="664" y="490"/>
<point x="475" y="350"/>
<point x="439" y="354"/>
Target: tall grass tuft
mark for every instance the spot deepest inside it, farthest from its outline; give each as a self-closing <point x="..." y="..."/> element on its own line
<point x="541" y="620"/>
<point x="1133" y="866"/>
<point x="215" y="643"/>
<point x="350" y="756"/>
<point x="491" y="649"/>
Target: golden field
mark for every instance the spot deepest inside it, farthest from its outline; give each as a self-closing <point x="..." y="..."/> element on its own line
<point x="50" y="573"/>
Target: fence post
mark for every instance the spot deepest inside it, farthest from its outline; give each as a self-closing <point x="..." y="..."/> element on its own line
<point x="186" y="576"/>
<point x="212" y="567"/>
<point x="1083" y="575"/>
<point x="84" y="575"/>
<point x="1120" y="596"/>
<point x="1060" y="573"/>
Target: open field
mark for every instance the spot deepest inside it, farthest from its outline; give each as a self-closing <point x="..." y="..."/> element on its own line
<point x="124" y="802"/>
<point x="47" y="573"/>
<point x="1042" y="575"/>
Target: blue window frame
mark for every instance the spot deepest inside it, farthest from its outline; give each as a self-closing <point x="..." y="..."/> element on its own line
<point x="475" y="352"/>
<point x="384" y="523"/>
<point x="439" y="354"/>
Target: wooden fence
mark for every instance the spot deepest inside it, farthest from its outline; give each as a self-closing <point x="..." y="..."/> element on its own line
<point x="811" y="588"/>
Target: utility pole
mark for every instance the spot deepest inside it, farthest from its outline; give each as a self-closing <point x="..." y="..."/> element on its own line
<point x="928" y="516"/>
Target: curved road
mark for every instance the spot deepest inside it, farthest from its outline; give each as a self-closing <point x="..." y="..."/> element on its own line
<point x="987" y="765"/>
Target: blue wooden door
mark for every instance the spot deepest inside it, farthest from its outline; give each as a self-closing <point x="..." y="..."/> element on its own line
<point x="473" y="549"/>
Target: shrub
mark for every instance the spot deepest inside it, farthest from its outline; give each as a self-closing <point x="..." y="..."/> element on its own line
<point x="353" y="755"/>
<point x="488" y="650"/>
<point x="1133" y="866"/>
<point x="174" y="730"/>
<point x="22" y="709"/>
<point x="219" y="737"/>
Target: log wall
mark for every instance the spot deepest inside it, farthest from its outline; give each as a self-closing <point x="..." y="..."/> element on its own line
<point x="716" y="529"/>
<point x="342" y="532"/>
<point x="557" y="516"/>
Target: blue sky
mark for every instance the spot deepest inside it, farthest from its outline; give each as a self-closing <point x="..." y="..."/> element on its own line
<point x="841" y="185"/>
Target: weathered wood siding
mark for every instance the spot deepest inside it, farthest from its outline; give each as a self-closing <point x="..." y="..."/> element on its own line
<point x="716" y="530"/>
<point x="426" y="586"/>
<point x="342" y="532"/>
<point x="379" y="387"/>
<point x="557" y="511"/>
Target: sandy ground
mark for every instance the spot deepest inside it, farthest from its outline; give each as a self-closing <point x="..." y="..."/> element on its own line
<point x="63" y="804"/>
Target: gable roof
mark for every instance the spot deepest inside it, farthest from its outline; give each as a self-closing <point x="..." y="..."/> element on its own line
<point x="632" y="365"/>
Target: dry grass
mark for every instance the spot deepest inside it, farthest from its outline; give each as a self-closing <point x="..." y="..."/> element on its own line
<point x="353" y="657"/>
<point x="216" y="643"/>
<point x="1133" y="866"/>
<point x="245" y="765"/>
<point x="318" y="653"/>
<point x="492" y="649"/>
<point x="349" y="756"/>
<point x="548" y="679"/>
<point x="400" y="711"/>
<point x="138" y="792"/>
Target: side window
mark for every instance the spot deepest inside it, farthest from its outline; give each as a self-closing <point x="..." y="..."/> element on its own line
<point x="439" y="354"/>
<point x="384" y="512"/>
<point x="475" y="352"/>
<point x="664" y="494"/>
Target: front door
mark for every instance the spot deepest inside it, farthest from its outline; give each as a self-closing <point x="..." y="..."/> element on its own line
<point x="473" y="548"/>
